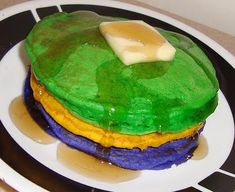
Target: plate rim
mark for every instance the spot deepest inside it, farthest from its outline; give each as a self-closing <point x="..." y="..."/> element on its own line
<point x="228" y="56"/>
<point x="22" y="184"/>
<point x="32" y="5"/>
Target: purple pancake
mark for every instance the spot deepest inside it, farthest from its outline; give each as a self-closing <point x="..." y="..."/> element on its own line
<point x="152" y="158"/>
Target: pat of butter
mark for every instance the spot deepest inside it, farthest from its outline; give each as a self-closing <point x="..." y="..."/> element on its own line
<point x="135" y="41"/>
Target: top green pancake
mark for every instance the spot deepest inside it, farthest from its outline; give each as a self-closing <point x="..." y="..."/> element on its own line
<point x="71" y="58"/>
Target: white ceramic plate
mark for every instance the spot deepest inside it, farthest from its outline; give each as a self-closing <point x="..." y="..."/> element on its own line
<point x="12" y="75"/>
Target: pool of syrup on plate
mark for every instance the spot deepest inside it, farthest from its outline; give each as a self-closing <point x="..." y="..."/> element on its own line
<point x="26" y="124"/>
<point x="202" y="149"/>
<point x="73" y="159"/>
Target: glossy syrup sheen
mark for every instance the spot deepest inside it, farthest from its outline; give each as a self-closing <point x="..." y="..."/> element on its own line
<point x="104" y="137"/>
<point x="26" y="124"/>
<point x="133" y="31"/>
<point x="202" y="150"/>
<point x="92" y="167"/>
<point x="72" y="59"/>
<point x="149" y="40"/>
<point x="76" y="160"/>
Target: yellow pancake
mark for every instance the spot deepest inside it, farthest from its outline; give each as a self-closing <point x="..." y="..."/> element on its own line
<point x="104" y="137"/>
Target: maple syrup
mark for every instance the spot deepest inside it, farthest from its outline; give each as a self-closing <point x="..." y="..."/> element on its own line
<point x="26" y="124"/>
<point x="202" y="149"/>
<point x="92" y="167"/>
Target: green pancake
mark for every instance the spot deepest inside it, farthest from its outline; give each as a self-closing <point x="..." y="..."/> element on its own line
<point x="71" y="58"/>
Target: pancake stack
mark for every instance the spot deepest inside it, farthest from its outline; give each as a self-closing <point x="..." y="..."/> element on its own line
<point x="142" y="116"/>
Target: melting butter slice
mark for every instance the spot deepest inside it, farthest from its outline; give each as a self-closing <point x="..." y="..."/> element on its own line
<point x="134" y="41"/>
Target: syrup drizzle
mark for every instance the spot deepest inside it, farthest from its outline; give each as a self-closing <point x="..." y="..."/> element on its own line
<point x="202" y="149"/>
<point x="92" y="167"/>
<point x="148" y="39"/>
<point x="4" y="187"/>
<point x="76" y="160"/>
<point x="25" y="123"/>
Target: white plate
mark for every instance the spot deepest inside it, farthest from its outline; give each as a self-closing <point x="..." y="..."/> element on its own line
<point x="13" y="72"/>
